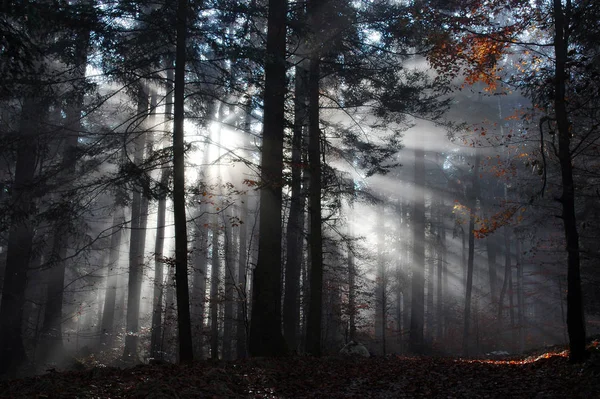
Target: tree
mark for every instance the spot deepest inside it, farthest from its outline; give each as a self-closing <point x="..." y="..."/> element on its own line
<point x="184" y="326"/>
<point x="266" y="338"/>
<point x="544" y="33"/>
<point x="417" y="310"/>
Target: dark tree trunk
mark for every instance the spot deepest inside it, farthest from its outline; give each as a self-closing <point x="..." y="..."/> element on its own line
<point x="430" y="315"/>
<point x="416" y="342"/>
<point x="295" y="225"/>
<point x="520" y="299"/>
<point x="491" y="260"/>
<point x="575" y="312"/>
<point x="380" y="285"/>
<point x="20" y="241"/>
<point x="158" y="291"/>
<point x="439" y="249"/>
<point x="214" y="291"/>
<point x="52" y="345"/>
<point x="136" y="244"/>
<point x="313" y="327"/>
<point x="184" y="324"/>
<point x="506" y="273"/>
<point x="112" y="279"/>
<point x="242" y="309"/>
<point x="229" y="287"/>
<point x="266" y="338"/>
<point x="157" y="302"/>
<point x="472" y="195"/>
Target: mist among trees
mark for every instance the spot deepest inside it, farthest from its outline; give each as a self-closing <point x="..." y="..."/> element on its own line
<point x="188" y="180"/>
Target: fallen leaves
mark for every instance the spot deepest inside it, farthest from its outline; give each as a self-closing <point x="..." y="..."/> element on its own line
<point x="549" y="375"/>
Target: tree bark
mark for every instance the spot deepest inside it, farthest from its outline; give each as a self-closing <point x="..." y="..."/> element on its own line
<point x="242" y="310"/>
<point x="20" y="240"/>
<point x="159" y="286"/>
<point x="575" y="313"/>
<point x="472" y="202"/>
<point x="266" y="338"/>
<point x="214" y="290"/>
<point x="229" y="288"/>
<point x="315" y="306"/>
<point x="112" y="279"/>
<point x="184" y="325"/>
<point x="416" y="339"/>
<point x="136" y="244"/>
<point x="295" y="225"/>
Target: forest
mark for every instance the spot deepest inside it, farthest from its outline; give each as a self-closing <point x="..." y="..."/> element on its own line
<point x="214" y="180"/>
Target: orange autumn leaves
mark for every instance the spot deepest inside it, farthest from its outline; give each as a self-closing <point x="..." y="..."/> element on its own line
<point x="473" y="56"/>
<point x="485" y="226"/>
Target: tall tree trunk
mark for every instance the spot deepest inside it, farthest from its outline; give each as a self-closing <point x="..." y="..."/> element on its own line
<point x="440" y="246"/>
<point x="242" y="315"/>
<point x="430" y="315"/>
<point x="20" y="240"/>
<point x="520" y="299"/>
<point x="417" y="316"/>
<point x="136" y="243"/>
<point x="112" y="279"/>
<point x="159" y="285"/>
<point x="491" y="260"/>
<point x="52" y="327"/>
<point x="214" y="291"/>
<point x="266" y="338"/>
<point x="575" y="313"/>
<point x="295" y="225"/>
<point x="313" y="327"/>
<point x="472" y="194"/>
<point x="184" y="324"/>
<point x="157" y="302"/>
<point x="198" y="295"/>
<point x="507" y="272"/>
<point x="242" y="291"/>
<point x="380" y="284"/>
<point x="351" y="295"/>
<point x="229" y="287"/>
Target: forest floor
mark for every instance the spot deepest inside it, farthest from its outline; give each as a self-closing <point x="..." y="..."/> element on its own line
<point x="544" y="375"/>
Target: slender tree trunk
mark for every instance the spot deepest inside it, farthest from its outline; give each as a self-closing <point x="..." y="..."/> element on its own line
<point x="471" y="261"/>
<point x="313" y="328"/>
<point x="266" y="338"/>
<point x="430" y="315"/>
<point x="242" y="308"/>
<point x="112" y="279"/>
<point x="159" y="285"/>
<point x="214" y="291"/>
<point x="157" y="304"/>
<point x="136" y="244"/>
<point x="351" y="296"/>
<point x="295" y="225"/>
<point x="229" y="288"/>
<point x="169" y="318"/>
<point x="380" y="284"/>
<point x="491" y="260"/>
<point x="440" y="281"/>
<point x="575" y="314"/>
<point x="520" y="301"/>
<point x="184" y="324"/>
<point x="507" y="272"/>
<point x="416" y="340"/>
